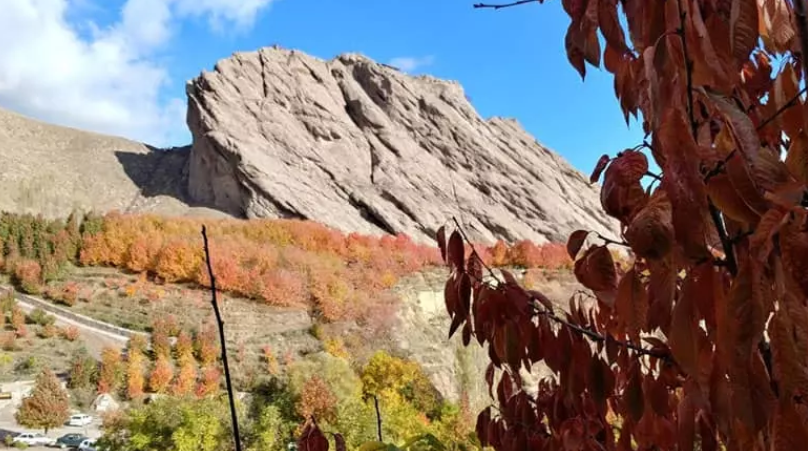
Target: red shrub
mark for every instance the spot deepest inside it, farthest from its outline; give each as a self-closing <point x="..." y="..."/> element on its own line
<point x="28" y="275"/>
<point x="71" y="333"/>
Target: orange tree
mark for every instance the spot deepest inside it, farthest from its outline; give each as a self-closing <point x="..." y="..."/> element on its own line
<point x="702" y="342"/>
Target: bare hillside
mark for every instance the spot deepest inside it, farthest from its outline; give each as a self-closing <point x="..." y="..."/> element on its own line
<point x="51" y="170"/>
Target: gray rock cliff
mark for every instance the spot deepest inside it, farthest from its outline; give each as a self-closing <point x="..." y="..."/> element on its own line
<point x="361" y="146"/>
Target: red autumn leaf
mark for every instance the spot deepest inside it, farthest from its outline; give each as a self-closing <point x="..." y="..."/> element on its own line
<point x="312" y="439"/>
<point x="629" y="167"/>
<point x="610" y="25"/>
<point x="441" y="238"/>
<point x="684" y="186"/>
<point x="483" y="421"/>
<point x="633" y="394"/>
<point x="595" y="270"/>
<point x="790" y="432"/>
<point x="650" y="233"/>
<point x="575" y="51"/>
<point x="603" y="161"/>
<point x="466" y="334"/>
<point x="685" y="333"/>
<point x="794" y="247"/>
<point x="451" y="296"/>
<point x="456" y="251"/>
<point x="797" y="157"/>
<point x="339" y="441"/>
<point x="632" y="304"/>
<point x="575" y="242"/>
<point x="743" y="28"/>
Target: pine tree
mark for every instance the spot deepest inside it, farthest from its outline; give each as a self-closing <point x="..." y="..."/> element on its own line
<point x="48" y="405"/>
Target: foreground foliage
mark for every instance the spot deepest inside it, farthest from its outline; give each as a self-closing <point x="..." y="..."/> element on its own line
<point x="702" y="343"/>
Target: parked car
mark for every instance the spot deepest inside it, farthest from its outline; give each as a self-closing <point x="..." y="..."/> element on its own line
<point x="32" y="439"/>
<point x="69" y="441"/>
<point x="88" y="445"/>
<point x="79" y="419"/>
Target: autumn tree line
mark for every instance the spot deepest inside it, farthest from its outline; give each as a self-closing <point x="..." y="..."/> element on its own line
<point x="288" y="263"/>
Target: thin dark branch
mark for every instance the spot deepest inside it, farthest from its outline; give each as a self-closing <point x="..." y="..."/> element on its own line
<point x="715" y="213"/>
<point x="504" y="5"/>
<point x="688" y="71"/>
<point x="780" y="110"/>
<point x="220" y="324"/>
<point x="473" y="250"/>
<point x="719" y="167"/>
<point x="596" y="337"/>
<point x="378" y="417"/>
<point x="656" y="177"/>
<point x="611" y="241"/>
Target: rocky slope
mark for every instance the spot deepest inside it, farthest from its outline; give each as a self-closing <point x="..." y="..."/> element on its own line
<point x="361" y="146"/>
<point x="50" y="170"/>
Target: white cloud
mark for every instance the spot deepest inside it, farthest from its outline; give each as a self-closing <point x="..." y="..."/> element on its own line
<point x="111" y="81"/>
<point x="411" y="63"/>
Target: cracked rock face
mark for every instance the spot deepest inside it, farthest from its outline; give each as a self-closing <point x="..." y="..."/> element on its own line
<point x="362" y="147"/>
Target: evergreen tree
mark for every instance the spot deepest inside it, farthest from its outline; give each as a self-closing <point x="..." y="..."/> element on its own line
<point x="47" y="407"/>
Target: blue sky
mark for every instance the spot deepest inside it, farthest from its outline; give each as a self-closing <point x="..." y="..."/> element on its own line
<point x="511" y="62"/>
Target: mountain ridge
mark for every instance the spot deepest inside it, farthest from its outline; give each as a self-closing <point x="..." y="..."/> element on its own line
<point x="354" y="144"/>
<point x="361" y="146"/>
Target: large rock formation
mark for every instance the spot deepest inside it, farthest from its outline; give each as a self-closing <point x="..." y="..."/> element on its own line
<point x="363" y="147"/>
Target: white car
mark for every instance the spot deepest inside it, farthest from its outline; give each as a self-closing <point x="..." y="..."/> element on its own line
<point x="33" y="439"/>
<point x="88" y="445"/>
<point x="79" y="419"/>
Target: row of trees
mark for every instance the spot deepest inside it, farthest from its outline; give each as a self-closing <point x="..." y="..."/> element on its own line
<point x="323" y="386"/>
<point x="280" y="262"/>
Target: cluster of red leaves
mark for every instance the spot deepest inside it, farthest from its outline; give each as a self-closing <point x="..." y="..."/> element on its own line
<point x="675" y="346"/>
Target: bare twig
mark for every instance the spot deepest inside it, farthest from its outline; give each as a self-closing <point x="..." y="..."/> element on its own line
<point x="220" y="324"/>
<point x="596" y="337"/>
<point x="378" y="417"/>
<point x="656" y="177"/>
<point x="611" y="241"/>
<point x="719" y="167"/>
<point x="474" y="251"/>
<point x="785" y="106"/>
<point x="503" y="5"/>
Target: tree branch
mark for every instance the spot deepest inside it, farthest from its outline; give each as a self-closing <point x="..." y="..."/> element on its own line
<point x="596" y="337"/>
<point x="611" y="241"/>
<point x="787" y="105"/>
<point x="378" y="417"/>
<point x="220" y="324"/>
<point x="504" y="5"/>
<point x="715" y="213"/>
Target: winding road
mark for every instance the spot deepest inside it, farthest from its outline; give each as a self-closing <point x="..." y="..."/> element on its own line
<point x="96" y="334"/>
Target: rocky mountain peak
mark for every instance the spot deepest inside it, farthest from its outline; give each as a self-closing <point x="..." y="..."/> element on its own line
<point x="362" y="146"/>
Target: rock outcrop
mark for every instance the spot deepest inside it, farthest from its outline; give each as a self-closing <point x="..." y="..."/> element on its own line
<point x="361" y="146"/>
